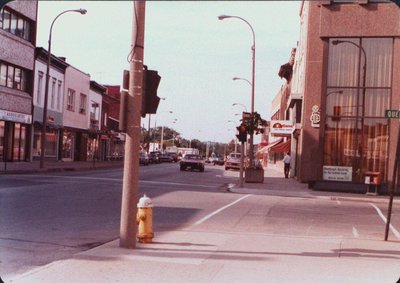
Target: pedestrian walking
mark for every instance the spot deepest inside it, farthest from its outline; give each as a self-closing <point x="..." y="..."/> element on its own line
<point x="286" y="161"/>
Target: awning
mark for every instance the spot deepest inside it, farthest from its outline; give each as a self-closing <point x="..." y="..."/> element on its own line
<point x="282" y="147"/>
<point x="266" y="148"/>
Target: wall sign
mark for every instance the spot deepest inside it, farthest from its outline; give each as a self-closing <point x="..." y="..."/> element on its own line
<point x="281" y="127"/>
<point x="337" y="173"/>
<point x="15" y="117"/>
<point x="315" y="117"/>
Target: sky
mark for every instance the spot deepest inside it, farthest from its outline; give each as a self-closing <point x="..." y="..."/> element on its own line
<point x="195" y="54"/>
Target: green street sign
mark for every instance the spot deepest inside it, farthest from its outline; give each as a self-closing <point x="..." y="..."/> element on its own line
<point x="392" y="114"/>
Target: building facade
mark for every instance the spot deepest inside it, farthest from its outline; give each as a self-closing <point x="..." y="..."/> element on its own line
<point x="345" y="73"/>
<point x="55" y="104"/>
<point x="75" y="115"/>
<point x="17" y="60"/>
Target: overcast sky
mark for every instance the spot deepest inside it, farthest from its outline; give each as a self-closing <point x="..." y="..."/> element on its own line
<point x="196" y="54"/>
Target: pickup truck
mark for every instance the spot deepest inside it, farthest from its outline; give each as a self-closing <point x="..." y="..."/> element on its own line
<point x="192" y="161"/>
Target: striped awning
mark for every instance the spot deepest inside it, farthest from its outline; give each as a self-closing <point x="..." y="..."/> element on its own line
<point x="282" y="147"/>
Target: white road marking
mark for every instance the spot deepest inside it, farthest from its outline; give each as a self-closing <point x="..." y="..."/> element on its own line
<point x="338" y="202"/>
<point x="394" y="231"/>
<point x="120" y="180"/>
<point x="355" y="233"/>
<point x="219" y="210"/>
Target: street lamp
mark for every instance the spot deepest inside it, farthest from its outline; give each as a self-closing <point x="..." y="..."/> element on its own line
<point x="336" y="42"/>
<point x="240" y="104"/>
<point x="46" y="91"/>
<point x="243" y="79"/>
<point x="253" y="49"/>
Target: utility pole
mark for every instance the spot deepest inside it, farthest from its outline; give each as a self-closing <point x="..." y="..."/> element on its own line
<point x="130" y="185"/>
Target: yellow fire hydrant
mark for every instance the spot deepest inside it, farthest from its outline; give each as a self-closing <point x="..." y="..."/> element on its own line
<point x="144" y="219"/>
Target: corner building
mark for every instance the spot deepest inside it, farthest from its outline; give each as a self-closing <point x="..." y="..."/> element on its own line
<point x="17" y="61"/>
<point x="350" y="61"/>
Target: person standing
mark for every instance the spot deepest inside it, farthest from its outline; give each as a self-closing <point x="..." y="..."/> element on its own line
<point x="286" y="161"/>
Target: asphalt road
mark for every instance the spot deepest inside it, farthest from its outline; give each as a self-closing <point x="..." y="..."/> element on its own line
<point x="45" y="217"/>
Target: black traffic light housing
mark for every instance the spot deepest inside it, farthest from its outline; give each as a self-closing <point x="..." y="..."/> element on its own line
<point x="242" y="133"/>
<point x="150" y="100"/>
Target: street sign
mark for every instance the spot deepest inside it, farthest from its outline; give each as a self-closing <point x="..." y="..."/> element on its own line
<point x="392" y="114"/>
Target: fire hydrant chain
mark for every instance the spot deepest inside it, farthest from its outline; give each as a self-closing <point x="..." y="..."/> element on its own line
<point x="144" y="219"/>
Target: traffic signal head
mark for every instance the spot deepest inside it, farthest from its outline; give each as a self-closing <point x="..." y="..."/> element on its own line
<point x="150" y="100"/>
<point x="242" y="133"/>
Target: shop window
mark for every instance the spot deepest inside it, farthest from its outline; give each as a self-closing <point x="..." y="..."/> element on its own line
<point x="356" y="131"/>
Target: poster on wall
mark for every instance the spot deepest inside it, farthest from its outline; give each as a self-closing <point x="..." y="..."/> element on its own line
<point x="337" y="173"/>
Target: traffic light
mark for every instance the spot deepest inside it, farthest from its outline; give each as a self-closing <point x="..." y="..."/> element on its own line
<point x="150" y="100"/>
<point x="242" y="133"/>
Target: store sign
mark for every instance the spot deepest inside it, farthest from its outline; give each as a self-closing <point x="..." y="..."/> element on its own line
<point x="337" y="173"/>
<point x="394" y="114"/>
<point x="15" y="117"/>
<point x="281" y="127"/>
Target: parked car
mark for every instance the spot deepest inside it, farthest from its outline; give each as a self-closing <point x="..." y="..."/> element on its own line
<point x="164" y="157"/>
<point x="144" y="158"/>
<point x="218" y="161"/>
<point x="233" y="161"/>
<point x="174" y="156"/>
<point x="154" y="157"/>
<point x="192" y="161"/>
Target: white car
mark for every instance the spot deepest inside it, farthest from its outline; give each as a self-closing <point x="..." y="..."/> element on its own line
<point x="233" y="161"/>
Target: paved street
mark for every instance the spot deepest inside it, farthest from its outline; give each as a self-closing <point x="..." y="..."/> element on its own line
<point x="278" y="230"/>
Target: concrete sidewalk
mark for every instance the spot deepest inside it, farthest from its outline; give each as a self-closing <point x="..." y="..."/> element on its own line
<point x="56" y="166"/>
<point x="191" y="255"/>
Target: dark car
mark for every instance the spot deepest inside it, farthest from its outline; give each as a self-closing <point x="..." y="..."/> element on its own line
<point x="218" y="161"/>
<point x="143" y="158"/>
<point x="192" y="161"/>
<point x="174" y="156"/>
<point x="165" y="158"/>
<point x="154" y="157"/>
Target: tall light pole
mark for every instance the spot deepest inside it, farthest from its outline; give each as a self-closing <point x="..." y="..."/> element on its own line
<point x="46" y="91"/>
<point x="253" y="49"/>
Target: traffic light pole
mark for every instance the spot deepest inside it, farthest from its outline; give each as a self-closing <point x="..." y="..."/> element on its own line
<point x="241" y="165"/>
<point x="130" y="185"/>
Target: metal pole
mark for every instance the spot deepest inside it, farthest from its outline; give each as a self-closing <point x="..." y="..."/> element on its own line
<point x="241" y="165"/>
<point x="132" y="144"/>
<point x="148" y="132"/>
<point x="393" y="186"/>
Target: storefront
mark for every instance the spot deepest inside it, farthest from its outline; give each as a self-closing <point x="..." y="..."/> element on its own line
<point x="14" y="130"/>
<point x="359" y="90"/>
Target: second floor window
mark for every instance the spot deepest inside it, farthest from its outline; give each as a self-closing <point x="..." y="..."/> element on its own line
<point x="59" y="95"/>
<point x="12" y="76"/>
<point x="82" y="104"/>
<point x="39" y="88"/>
<point x="53" y="92"/>
<point x="70" y="99"/>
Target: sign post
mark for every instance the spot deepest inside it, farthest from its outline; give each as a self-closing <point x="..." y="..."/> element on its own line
<point x="393" y="114"/>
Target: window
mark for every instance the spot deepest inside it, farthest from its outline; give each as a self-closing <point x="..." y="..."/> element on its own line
<point x="82" y="104"/>
<point x="12" y="76"/>
<point x="59" y="95"/>
<point x="70" y="99"/>
<point x="356" y="130"/>
<point x="53" y="92"/>
<point x="3" y="74"/>
<point x="15" y="23"/>
<point x="39" y="88"/>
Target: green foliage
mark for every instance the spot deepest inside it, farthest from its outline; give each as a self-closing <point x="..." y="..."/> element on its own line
<point x="255" y="124"/>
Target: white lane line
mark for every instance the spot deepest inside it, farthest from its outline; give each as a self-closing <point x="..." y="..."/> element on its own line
<point x="394" y="231"/>
<point x="120" y="180"/>
<point x="355" y="233"/>
<point x="219" y="210"/>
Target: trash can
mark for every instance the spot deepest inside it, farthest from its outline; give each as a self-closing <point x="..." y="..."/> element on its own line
<point x="254" y="174"/>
